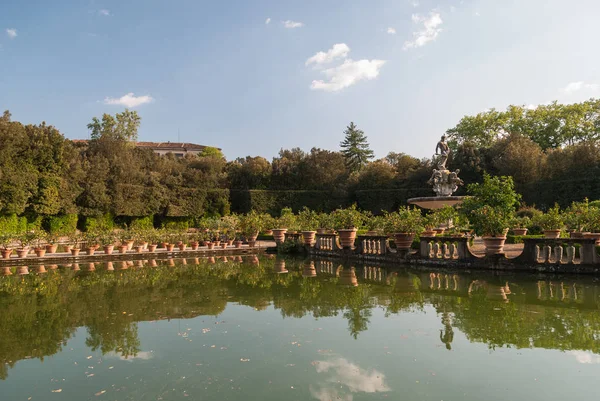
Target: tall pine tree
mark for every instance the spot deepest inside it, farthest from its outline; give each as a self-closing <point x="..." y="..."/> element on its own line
<point x="355" y="148"/>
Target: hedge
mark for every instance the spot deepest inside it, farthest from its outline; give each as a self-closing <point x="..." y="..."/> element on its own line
<point x="376" y="200"/>
<point x="96" y="223"/>
<point x="60" y="225"/>
<point x="272" y="201"/>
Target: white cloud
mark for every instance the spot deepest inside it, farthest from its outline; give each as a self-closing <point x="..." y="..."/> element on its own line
<point x="431" y="29"/>
<point x="585" y="357"/>
<point x="104" y="12"/>
<point x="142" y="355"/>
<point x="341" y="373"/>
<point x="477" y="14"/>
<point x="339" y="50"/>
<point x="267" y="21"/>
<point x="580" y="85"/>
<point x="415" y="3"/>
<point x="292" y="24"/>
<point x="11" y="32"/>
<point x="391" y="31"/>
<point x="348" y="74"/>
<point x="129" y="100"/>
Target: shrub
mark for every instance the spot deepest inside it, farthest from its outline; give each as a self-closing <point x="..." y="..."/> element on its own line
<point x="552" y="220"/>
<point x="60" y="225"/>
<point x="347" y="218"/>
<point x="406" y="220"/>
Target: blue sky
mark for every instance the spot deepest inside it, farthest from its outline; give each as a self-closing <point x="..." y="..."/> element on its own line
<point x="216" y="72"/>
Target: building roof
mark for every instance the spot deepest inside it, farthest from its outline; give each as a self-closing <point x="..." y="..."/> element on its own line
<point x="173" y="146"/>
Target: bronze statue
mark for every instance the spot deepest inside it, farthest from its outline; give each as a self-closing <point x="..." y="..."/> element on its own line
<point x="444" y="152"/>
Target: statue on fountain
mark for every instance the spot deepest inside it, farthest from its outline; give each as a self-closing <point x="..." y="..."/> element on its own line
<point x="444" y="182"/>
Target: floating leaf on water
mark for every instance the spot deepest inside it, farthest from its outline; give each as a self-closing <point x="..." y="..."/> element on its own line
<point x="89" y="357"/>
<point x="100" y="393"/>
<point x="244" y="360"/>
<point x="57" y="391"/>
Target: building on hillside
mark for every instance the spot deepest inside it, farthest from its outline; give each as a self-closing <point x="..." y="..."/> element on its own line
<point x="178" y="149"/>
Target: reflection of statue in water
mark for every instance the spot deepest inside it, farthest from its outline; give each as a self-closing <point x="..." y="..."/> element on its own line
<point x="447" y="334"/>
<point x="444" y="152"/>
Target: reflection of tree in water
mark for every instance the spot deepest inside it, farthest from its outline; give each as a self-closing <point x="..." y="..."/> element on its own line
<point x="39" y="313"/>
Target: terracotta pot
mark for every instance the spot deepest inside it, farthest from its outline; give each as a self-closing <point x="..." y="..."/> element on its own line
<point x="22" y="253"/>
<point x="519" y="231"/>
<point x="67" y="248"/>
<point x="372" y="232"/>
<point x="170" y="247"/>
<point x="108" y="249"/>
<point x="194" y="245"/>
<point x="347" y="237"/>
<point x="152" y="248"/>
<point x="162" y="245"/>
<point x="6" y="253"/>
<point x="439" y="231"/>
<point x="210" y="245"/>
<point x="493" y="245"/>
<point x="90" y="251"/>
<point x="22" y="270"/>
<point x="139" y="248"/>
<point x="577" y="234"/>
<point x="251" y="244"/>
<point x="551" y="234"/>
<point x="75" y="251"/>
<point x="596" y="236"/>
<point x="404" y="241"/>
<point x="224" y="245"/>
<point x="217" y="243"/>
<point x="268" y="232"/>
<point x="182" y="246"/>
<point x="279" y="235"/>
<point x="321" y="231"/>
<point x="51" y="248"/>
<point x="230" y="242"/>
<point x="309" y="270"/>
<point x="348" y="277"/>
<point x="428" y="233"/>
<point x="40" y="252"/>
<point x="129" y="244"/>
<point x="308" y="237"/>
<point x="145" y="245"/>
<point x="238" y="244"/>
<point x="122" y="248"/>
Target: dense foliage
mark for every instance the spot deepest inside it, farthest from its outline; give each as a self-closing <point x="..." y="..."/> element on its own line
<point x="551" y="153"/>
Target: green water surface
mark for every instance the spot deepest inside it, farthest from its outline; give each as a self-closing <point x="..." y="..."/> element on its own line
<point x="290" y="329"/>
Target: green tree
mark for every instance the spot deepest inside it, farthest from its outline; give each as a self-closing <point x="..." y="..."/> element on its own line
<point x="123" y="126"/>
<point x="355" y="148"/>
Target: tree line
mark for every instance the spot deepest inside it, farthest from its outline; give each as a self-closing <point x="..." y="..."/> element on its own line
<point x="551" y="152"/>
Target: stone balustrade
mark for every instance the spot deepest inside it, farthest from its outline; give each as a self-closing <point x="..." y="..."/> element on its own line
<point x="327" y="242"/>
<point x="372" y="245"/>
<point x="559" y="251"/>
<point x="445" y="248"/>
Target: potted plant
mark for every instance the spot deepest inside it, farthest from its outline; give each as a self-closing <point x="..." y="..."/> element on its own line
<point x="229" y="226"/>
<point x="51" y="245"/>
<point x="92" y="240"/>
<point x="250" y="225"/>
<point x="577" y="218"/>
<point x="551" y="222"/>
<point x="443" y="218"/>
<point x="285" y="222"/>
<point x="326" y="223"/>
<point x="7" y="240"/>
<point x="39" y="239"/>
<point x="308" y="220"/>
<point x="346" y="222"/>
<point x="520" y="224"/>
<point x="375" y="224"/>
<point x="75" y="240"/>
<point x="490" y="207"/>
<point x="152" y="238"/>
<point x="107" y="238"/>
<point x="593" y="224"/>
<point x="403" y="225"/>
<point x="429" y="225"/>
<point x="24" y="240"/>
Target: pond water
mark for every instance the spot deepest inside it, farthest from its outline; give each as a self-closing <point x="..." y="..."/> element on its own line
<point x="288" y="329"/>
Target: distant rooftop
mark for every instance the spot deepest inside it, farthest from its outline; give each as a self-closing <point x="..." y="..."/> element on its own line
<point x="166" y="146"/>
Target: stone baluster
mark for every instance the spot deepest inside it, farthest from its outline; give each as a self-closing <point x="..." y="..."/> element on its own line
<point x="588" y="252"/>
<point x="547" y="253"/>
<point x="558" y="254"/>
<point x="436" y="250"/>
<point x="570" y="254"/>
<point x="452" y="250"/>
<point x="444" y="250"/>
<point x="537" y="253"/>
